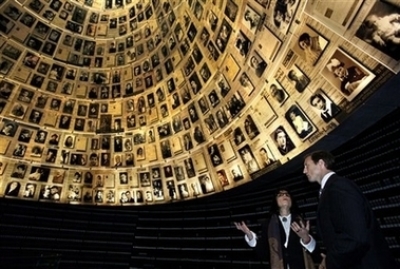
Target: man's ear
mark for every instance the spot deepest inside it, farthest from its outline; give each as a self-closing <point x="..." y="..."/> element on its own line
<point x="321" y="162"/>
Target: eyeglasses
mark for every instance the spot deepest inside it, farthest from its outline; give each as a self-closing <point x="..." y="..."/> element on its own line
<point x="283" y="194"/>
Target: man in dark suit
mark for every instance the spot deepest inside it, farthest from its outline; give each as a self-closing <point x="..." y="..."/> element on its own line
<point x="328" y="109"/>
<point x="345" y="220"/>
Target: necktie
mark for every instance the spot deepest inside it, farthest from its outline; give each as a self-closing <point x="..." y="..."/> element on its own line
<point x="284" y="219"/>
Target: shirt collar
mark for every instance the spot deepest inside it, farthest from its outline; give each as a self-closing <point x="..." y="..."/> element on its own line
<point x="288" y="217"/>
<point x="325" y="179"/>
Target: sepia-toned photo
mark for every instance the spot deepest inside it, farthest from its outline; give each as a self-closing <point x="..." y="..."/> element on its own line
<point x="346" y="74"/>
<point x="242" y="44"/>
<point x="324" y="106"/>
<point x="277" y="92"/>
<point x="381" y="29"/>
<point x="248" y="159"/>
<point x="310" y="45"/>
<point x="206" y="184"/>
<point x="282" y="140"/>
<point x="280" y="14"/>
<point x="298" y="79"/>
<point x="257" y="64"/>
<point x="223" y="36"/>
<point x="300" y="123"/>
<point x="251" y="19"/>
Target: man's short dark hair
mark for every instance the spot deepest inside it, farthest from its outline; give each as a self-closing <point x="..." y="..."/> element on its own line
<point x="326" y="156"/>
<point x="318" y="95"/>
<point x="277" y="132"/>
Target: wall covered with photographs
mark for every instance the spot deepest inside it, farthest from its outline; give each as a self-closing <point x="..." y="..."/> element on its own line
<point x="124" y="102"/>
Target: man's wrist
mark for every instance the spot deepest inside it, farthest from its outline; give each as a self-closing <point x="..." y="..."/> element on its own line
<point x="306" y="239"/>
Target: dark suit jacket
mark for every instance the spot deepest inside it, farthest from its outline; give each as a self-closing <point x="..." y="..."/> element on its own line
<point x="349" y="230"/>
<point x="334" y="110"/>
<point x="292" y="255"/>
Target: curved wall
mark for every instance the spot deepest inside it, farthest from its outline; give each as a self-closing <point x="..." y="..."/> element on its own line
<point x="136" y="103"/>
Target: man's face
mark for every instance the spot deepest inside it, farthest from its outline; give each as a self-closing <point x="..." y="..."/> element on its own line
<point x="314" y="171"/>
<point x="318" y="103"/>
<point x="281" y="140"/>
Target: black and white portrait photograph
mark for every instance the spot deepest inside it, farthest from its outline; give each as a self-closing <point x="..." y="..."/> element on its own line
<point x="206" y="184"/>
<point x="266" y="156"/>
<point x="205" y="73"/>
<point x="223" y="36"/>
<point x="236" y="173"/>
<point x="210" y="124"/>
<point x="223" y="86"/>
<point x="282" y="140"/>
<point x="346" y="74"/>
<point x="194" y="83"/>
<point x="309" y="45"/>
<point x="297" y="78"/>
<point x="183" y="191"/>
<point x="381" y="29"/>
<point x="246" y="83"/>
<point x="213" y="98"/>
<point x="257" y="63"/>
<point x="231" y="10"/>
<point x="212" y="20"/>
<point x="281" y="13"/>
<point x="18" y="110"/>
<point x="299" y="121"/>
<point x="250" y="127"/>
<point x="324" y="106"/>
<point x="5" y="66"/>
<point x="242" y="44"/>
<point x="6" y="24"/>
<point x="144" y="178"/>
<point x="248" y="159"/>
<point x="165" y="147"/>
<point x="215" y="155"/>
<point x="25" y="135"/>
<point x="221" y="118"/>
<point x="235" y="104"/>
<point x="193" y="115"/>
<point x="12" y="189"/>
<point x="28" y="20"/>
<point x="203" y="105"/>
<point x="238" y="136"/>
<point x="19" y="170"/>
<point x="251" y="19"/>
<point x="277" y="92"/>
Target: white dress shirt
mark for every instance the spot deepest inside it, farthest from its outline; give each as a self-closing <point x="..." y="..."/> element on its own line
<point x="286" y="225"/>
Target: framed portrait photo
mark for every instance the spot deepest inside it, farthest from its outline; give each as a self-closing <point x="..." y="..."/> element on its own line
<point x="283" y="142"/>
<point x="248" y="159"/>
<point x="298" y="78"/>
<point x="379" y="30"/>
<point x="257" y="64"/>
<point x="280" y="14"/>
<point x="299" y="121"/>
<point x="324" y="106"/>
<point x="309" y="44"/>
<point x="251" y="19"/>
<point x="242" y="44"/>
<point x="277" y="92"/>
<point x="346" y="74"/>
